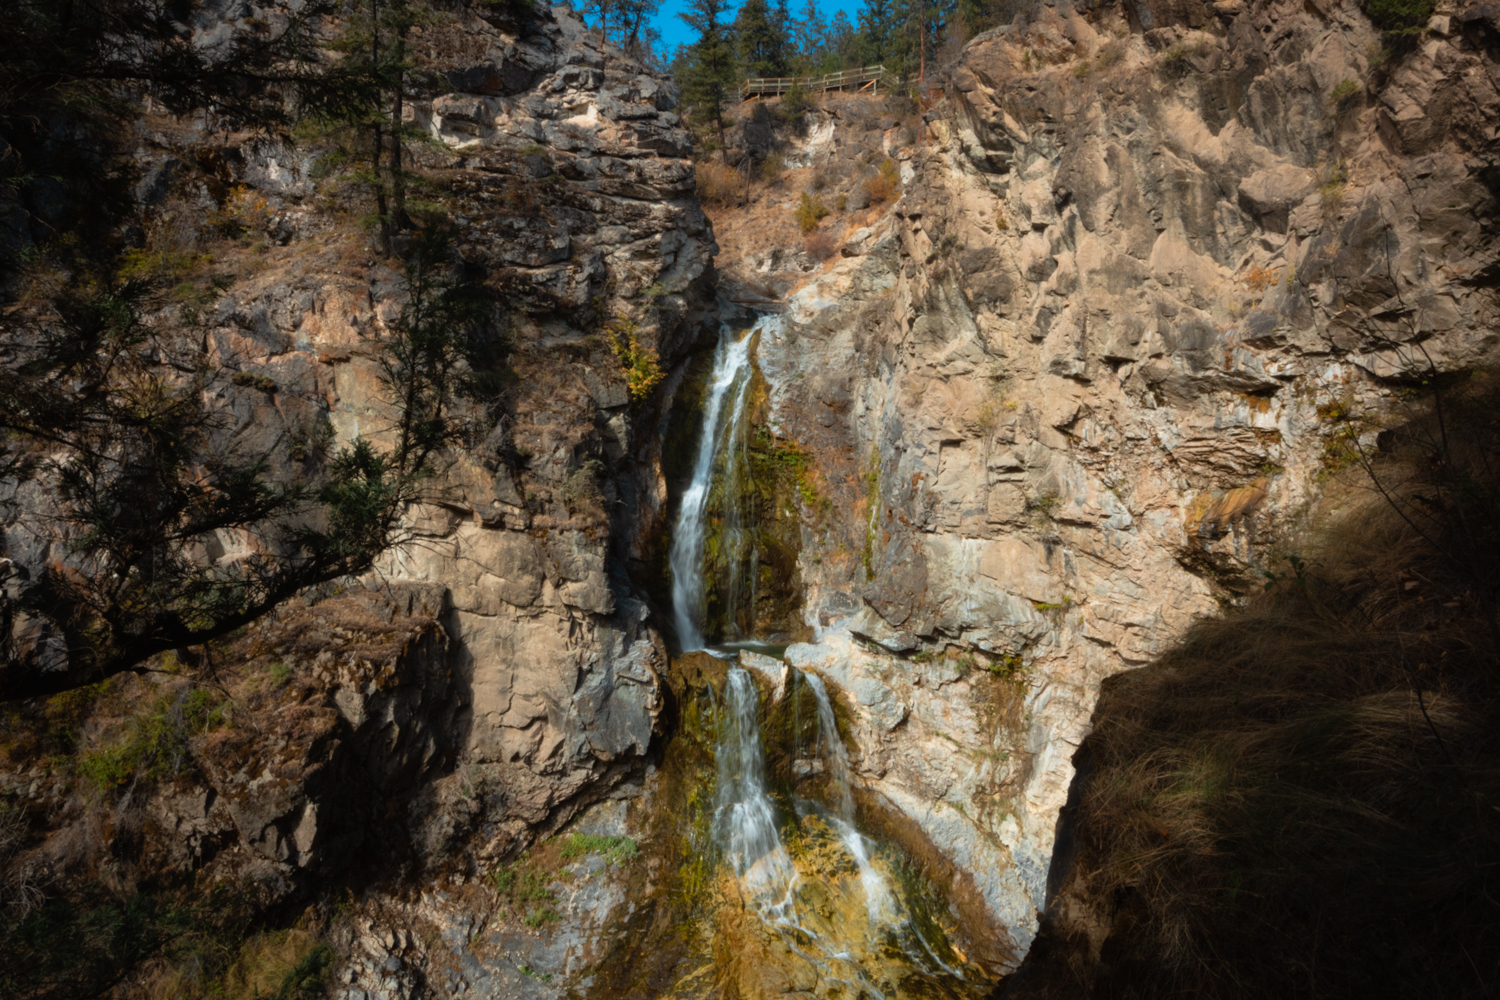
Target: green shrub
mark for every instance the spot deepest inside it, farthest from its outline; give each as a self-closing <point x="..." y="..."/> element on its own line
<point x="249" y="380"/>
<point x="794" y="103"/>
<point x="1341" y="95"/>
<point x="641" y="365"/>
<point x="155" y="744"/>
<point x="537" y="918"/>
<point x="810" y="211"/>
<point x="1400" y="17"/>
<point x="771" y="169"/>
<point x="1176" y="62"/>
<point x="614" y="849"/>
<point x="581" y="491"/>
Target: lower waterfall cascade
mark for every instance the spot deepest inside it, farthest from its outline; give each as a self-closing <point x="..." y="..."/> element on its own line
<point x="841" y="909"/>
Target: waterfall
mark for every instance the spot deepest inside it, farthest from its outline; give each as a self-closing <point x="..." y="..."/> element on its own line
<point x="744" y="816"/>
<point x="865" y="944"/>
<point x="728" y="381"/>
<point x="880" y="902"/>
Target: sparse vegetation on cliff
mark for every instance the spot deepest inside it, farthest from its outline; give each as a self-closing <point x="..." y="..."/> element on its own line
<point x="638" y="360"/>
<point x="810" y="211"/>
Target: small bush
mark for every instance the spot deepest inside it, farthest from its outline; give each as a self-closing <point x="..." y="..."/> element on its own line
<point x="718" y="183"/>
<point x="537" y="918"/>
<point x="164" y="265"/>
<point x="1258" y="279"/>
<point x="1341" y="94"/>
<point x="1399" y="17"/>
<point x="246" y="212"/>
<point x="155" y="744"/>
<point x="819" y="246"/>
<point x="810" y="211"/>
<point x="771" y="170"/>
<point x="886" y="184"/>
<point x="1176" y="62"/>
<point x="581" y="492"/>
<point x="1331" y="191"/>
<point x="640" y="362"/>
<point x="794" y="104"/>
<point x="249" y="380"/>
<point x="614" y="849"/>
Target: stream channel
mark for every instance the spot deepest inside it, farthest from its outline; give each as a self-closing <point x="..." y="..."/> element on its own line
<point x="808" y="903"/>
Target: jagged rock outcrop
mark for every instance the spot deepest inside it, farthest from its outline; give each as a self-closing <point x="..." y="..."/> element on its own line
<point x="565" y="168"/>
<point x="526" y="684"/>
<point x="1155" y="271"/>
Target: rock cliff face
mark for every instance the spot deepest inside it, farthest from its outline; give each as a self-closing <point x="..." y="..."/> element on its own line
<point x="531" y="683"/>
<point x="566" y="170"/>
<point x="1070" y="391"/>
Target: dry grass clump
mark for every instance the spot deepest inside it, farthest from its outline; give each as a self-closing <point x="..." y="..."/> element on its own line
<point x="1303" y="797"/>
<point x="820" y="245"/>
<point x="718" y="183"/>
<point x="886" y="184"/>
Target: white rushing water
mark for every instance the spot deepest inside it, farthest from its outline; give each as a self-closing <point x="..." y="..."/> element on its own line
<point x="744" y="814"/>
<point x="880" y="901"/>
<point x="727" y="382"/>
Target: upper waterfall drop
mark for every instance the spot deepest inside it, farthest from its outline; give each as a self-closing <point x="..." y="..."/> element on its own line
<point x="722" y="430"/>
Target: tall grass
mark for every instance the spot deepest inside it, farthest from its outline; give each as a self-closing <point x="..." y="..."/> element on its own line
<point x="1302" y="799"/>
<point x="718" y="183"/>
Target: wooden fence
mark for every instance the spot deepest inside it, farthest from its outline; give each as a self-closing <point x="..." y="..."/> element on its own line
<point x="771" y="86"/>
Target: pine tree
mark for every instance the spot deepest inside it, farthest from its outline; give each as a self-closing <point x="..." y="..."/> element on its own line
<point x="811" y="35"/>
<point x="708" y="71"/>
<point x="876" y="41"/>
<point x="843" y="41"/>
<point x="364" y="94"/>
<point x="762" y="42"/>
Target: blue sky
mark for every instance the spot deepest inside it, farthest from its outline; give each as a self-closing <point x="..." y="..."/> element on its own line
<point x="675" y="33"/>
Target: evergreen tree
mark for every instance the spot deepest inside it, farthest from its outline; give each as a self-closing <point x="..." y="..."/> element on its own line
<point x="811" y="33"/>
<point x="635" y="33"/>
<point x="842" y="43"/>
<point x="762" y="42"/>
<point x="708" y="72"/>
<point x="876" y="40"/>
<point x="364" y="94"/>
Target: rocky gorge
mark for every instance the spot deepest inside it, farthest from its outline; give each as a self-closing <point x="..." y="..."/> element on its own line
<point x="1072" y="377"/>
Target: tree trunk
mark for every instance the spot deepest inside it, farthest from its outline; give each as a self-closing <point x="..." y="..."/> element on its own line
<point x="398" y="173"/>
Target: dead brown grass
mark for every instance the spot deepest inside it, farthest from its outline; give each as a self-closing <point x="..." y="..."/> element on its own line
<point x="1300" y="799"/>
<point x="718" y="183"/>
<point x="820" y="245"/>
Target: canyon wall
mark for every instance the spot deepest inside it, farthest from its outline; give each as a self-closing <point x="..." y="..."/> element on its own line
<point x="1154" y="274"/>
<point x="523" y="681"/>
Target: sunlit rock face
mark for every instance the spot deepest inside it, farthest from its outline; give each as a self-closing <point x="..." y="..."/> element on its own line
<point x="1152" y="274"/>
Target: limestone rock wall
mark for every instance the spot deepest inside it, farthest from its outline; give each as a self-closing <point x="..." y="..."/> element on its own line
<point x="1071" y="390"/>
